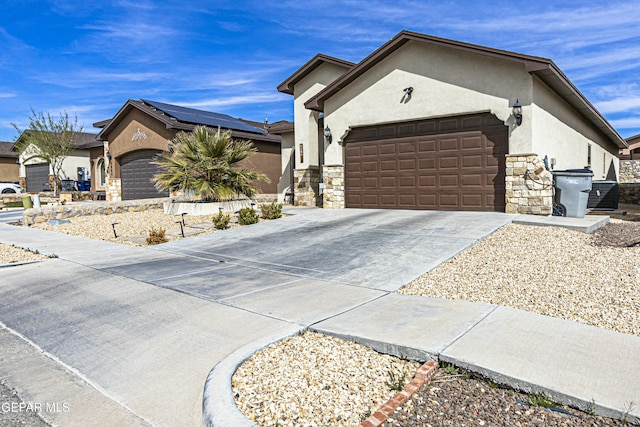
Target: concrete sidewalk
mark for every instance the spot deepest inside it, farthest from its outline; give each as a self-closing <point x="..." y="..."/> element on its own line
<point x="136" y="331"/>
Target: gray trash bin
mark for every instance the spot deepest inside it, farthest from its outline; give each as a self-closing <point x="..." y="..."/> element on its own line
<point x="572" y="189"/>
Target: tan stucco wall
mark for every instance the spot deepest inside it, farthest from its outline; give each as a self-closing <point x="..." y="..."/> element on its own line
<point x="9" y="169"/>
<point x="267" y="161"/>
<point x="445" y="82"/>
<point x="561" y="133"/>
<point x="306" y="121"/>
<point x="286" y="161"/>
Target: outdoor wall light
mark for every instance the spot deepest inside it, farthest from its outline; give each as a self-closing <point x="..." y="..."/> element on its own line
<point x="327" y="135"/>
<point x="517" y="112"/>
<point x="108" y="155"/>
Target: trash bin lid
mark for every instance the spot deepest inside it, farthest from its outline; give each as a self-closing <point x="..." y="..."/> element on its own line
<point x="573" y="172"/>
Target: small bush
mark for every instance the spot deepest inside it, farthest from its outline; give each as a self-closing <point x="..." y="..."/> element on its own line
<point x="271" y="211"/>
<point x="221" y="220"/>
<point x="247" y="216"/>
<point x="156" y="236"/>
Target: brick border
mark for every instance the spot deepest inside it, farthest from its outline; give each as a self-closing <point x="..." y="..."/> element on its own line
<point x="423" y="375"/>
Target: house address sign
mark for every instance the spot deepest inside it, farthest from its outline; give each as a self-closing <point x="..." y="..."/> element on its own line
<point x="139" y="136"/>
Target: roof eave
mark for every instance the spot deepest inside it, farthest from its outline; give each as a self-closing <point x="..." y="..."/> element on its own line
<point x="288" y="85"/>
<point x="558" y="82"/>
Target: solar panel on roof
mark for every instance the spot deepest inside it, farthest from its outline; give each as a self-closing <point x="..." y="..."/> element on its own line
<point x="201" y="117"/>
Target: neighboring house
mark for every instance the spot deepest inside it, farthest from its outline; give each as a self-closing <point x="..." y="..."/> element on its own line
<point x="37" y="176"/>
<point x="630" y="171"/>
<point x="141" y="130"/>
<point x="429" y="123"/>
<point x="633" y="151"/>
<point x="9" y="164"/>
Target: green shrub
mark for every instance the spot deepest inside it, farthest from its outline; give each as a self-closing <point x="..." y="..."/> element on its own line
<point x="156" y="236"/>
<point x="271" y="211"/>
<point x="247" y="216"/>
<point x="221" y="220"/>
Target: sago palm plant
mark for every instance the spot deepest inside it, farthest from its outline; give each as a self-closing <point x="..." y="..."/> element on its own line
<point x="207" y="165"/>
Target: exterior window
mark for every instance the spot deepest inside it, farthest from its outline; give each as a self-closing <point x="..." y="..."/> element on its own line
<point x="301" y="154"/>
<point x="102" y="173"/>
<point x="588" y="154"/>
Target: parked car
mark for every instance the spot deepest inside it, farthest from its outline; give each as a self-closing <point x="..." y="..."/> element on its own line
<point x="10" y="187"/>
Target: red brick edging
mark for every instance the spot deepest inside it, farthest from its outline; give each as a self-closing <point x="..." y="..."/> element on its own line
<point x="423" y="375"/>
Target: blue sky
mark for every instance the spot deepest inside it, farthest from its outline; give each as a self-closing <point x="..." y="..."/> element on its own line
<point x="88" y="58"/>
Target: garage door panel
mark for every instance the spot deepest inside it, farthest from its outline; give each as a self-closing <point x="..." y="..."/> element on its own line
<point x="389" y="200"/>
<point x="448" y="144"/>
<point x="462" y="168"/>
<point x="449" y="162"/>
<point x="469" y="143"/>
<point x="407" y="165"/>
<point x="388" y="182"/>
<point x="407" y="181"/>
<point x="427" y="163"/>
<point x="474" y="180"/>
<point x="406" y="147"/>
<point x="369" y="166"/>
<point x="449" y="201"/>
<point x="388" y="165"/>
<point x="472" y="161"/>
<point x="369" y="151"/>
<point x="427" y="147"/>
<point x="472" y="200"/>
<point x="370" y="182"/>
<point x="427" y="181"/>
<point x="445" y="181"/>
<point x="407" y="200"/>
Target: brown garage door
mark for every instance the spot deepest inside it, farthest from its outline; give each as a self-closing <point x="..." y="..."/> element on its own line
<point x="136" y="173"/>
<point x="455" y="163"/>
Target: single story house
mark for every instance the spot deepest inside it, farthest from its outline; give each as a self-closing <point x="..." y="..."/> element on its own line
<point x="142" y="129"/>
<point x="37" y="175"/>
<point x="9" y="163"/>
<point x="430" y="123"/>
<point x="633" y="151"/>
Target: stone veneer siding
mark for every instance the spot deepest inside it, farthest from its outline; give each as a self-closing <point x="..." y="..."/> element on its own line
<point x="306" y="187"/>
<point x="333" y="193"/>
<point x="49" y="212"/>
<point x="629" y="182"/>
<point x="529" y="185"/>
<point x="114" y="190"/>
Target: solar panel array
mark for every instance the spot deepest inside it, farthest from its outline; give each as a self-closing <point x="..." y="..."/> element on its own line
<point x="201" y="117"/>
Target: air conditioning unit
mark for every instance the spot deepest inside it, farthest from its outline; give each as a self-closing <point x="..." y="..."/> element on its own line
<point x="603" y="195"/>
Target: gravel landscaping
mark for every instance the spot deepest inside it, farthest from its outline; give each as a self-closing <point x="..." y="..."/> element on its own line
<point x="592" y="279"/>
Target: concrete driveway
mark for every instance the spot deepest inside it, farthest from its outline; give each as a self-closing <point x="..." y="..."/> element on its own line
<point x="126" y="335"/>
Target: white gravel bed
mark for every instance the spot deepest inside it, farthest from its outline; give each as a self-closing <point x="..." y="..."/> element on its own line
<point x="316" y="380"/>
<point x="10" y="254"/>
<point x="130" y="225"/>
<point x="546" y="270"/>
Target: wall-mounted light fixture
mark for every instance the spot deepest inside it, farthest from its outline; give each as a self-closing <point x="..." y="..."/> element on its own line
<point x="108" y="155"/>
<point x="327" y="135"/>
<point x="517" y="112"/>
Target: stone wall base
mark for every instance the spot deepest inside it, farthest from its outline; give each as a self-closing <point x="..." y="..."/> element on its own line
<point x="333" y="192"/>
<point x="48" y="212"/>
<point x="529" y="185"/>
<point x="114" y="190"/>
<point x="306" y="187"/>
